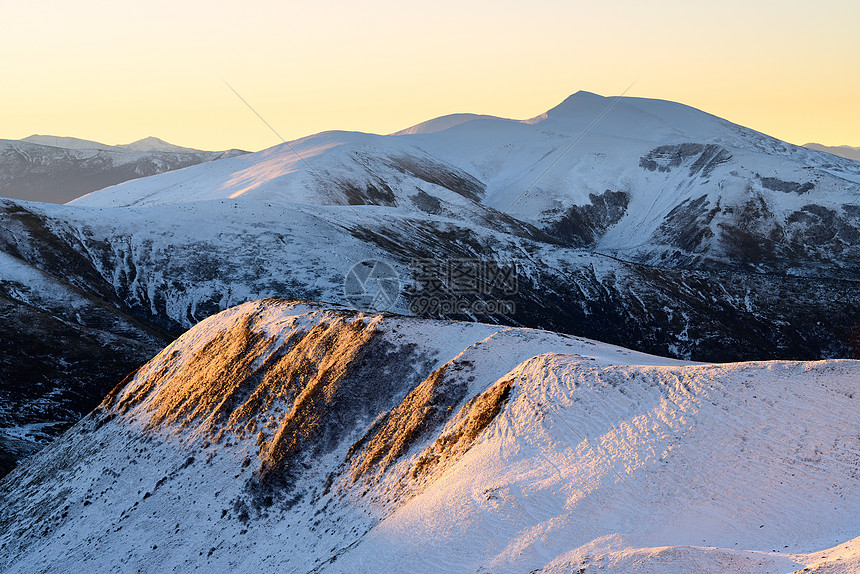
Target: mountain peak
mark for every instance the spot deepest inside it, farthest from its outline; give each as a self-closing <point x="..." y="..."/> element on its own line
<point x="578" y="98"/>
<point x="576" y="103"/>
<point x="151" y="143"/>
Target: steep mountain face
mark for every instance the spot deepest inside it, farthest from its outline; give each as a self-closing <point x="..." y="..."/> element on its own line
<point x="64" y="339"/>
<point x="296" y="437"/>
<point x="58" y="169"/>
<point x="657" y="227"/>
<point x="175" y="265"/>
<point x="54" y="367"/>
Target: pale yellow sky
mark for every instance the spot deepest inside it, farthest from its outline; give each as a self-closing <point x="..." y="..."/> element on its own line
<point x="117" y="71"/>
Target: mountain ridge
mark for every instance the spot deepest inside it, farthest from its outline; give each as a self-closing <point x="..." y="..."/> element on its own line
<point x="484" y="454"/>
<point x="532" y="174"/>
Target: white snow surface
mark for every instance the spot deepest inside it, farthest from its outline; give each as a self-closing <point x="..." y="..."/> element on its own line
<point x="532" y="169"/>
<point x="601" y="459"/>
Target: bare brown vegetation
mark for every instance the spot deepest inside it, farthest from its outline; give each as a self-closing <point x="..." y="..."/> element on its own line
<point x="473" y="418"/>
<point x="302" y="396"/>
<point x="423" y="410"/>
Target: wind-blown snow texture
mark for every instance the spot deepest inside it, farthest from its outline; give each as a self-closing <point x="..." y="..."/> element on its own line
<point x="292" y="437"/>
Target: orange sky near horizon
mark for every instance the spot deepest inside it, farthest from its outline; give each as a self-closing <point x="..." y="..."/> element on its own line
<point x="120" y="71"/>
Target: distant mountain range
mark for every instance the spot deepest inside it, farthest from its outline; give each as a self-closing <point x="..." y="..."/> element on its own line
<point x="59" y="169"/>
<point x="659" y="228"/>
<point x="842" y="150"/>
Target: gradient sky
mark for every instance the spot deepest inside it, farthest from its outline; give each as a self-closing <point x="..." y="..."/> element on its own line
<point x="117" y="71"/>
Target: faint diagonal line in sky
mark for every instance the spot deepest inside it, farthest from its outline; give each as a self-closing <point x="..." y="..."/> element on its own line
<point x="585" y="132"/>
<point x="310" y="168"/>
<point x="274" y="131"/>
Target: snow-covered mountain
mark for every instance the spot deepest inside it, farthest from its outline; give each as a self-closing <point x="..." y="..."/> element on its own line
<point x="642" y="223"/>
<point x="295" y="437"/>
<point x="65" y="142"/>
<point x="650" y="181"/>
<point x="59" y="169"/>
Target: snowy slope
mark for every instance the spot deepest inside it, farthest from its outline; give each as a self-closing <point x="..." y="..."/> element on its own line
<point x="646" y="180"/>
<point x="177" y="264"/>
<point x="333" y="168"/>
<point x="441" y="123"/>
<point x="292" y="437"/>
